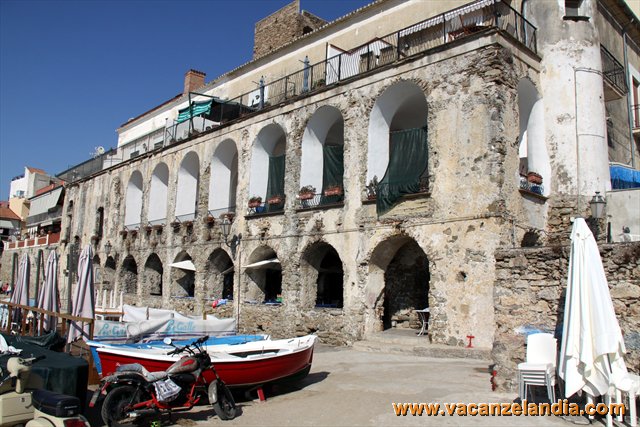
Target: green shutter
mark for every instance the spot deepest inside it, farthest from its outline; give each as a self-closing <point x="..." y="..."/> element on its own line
<point x="195" y="109"/>
<point x="275" y="182"/>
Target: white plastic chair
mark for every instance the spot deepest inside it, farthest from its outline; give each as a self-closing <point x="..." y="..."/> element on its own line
<point x="630" y="388"/>
<point x="540" y="367"/>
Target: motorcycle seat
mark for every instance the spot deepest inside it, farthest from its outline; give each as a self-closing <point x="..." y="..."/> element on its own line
<point x="138" y="368"/>
<point x="55" y="404"/>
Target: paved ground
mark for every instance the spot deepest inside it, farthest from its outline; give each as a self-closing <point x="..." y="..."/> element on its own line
<point x="353" y="388"/>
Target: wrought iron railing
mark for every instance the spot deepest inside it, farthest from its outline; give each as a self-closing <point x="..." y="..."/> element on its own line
<point x="613" y="70"/>
<point x="407" y="42"/>
<point x="373" y="189"/>
<point x="530" y="186"/>
<point x="270" y="206"/>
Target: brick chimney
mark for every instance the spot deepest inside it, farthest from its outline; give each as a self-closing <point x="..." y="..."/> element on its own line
<point x="193" y="79"/>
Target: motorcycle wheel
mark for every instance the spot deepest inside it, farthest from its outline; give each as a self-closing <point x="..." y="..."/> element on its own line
<point x="114" y="407"/>
<point x="225" y="407"/>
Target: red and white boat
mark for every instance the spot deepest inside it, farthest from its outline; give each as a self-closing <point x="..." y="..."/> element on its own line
<point x="239" y="365"/>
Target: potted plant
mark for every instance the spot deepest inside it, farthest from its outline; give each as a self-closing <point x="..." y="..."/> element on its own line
<point x="228" y="215"/>
<point x="175" y="225"/>
<point x="307" y="192"/>
<point x="134" y="233"/>
<point x="372" y="188"/>
<point x="148" y="228"/>
<point x="209" y="220"/>
<point x="333" y="190"/>
<point x="274" y="200"/>
<point x="158" y="227"/>
<point x="123" y="233"/>
<point x="534" y="178"/>
<point x="255" y="201"/>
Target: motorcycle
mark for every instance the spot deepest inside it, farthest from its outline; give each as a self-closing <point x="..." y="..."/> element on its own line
<point x="132" y="393"/>
<point x="38" y="408"/>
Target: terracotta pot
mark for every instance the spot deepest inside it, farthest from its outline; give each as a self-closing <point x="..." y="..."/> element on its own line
<point x="305" y="196"/>
<point x="534" y="178"/>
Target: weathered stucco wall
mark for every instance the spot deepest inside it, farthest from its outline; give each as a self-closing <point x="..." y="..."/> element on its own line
<point x="530" y="293"/>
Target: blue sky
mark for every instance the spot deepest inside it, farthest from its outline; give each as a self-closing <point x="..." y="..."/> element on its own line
<point x="71" y="72"/>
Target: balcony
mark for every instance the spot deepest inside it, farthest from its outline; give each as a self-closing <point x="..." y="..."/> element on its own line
<point x="327" y="199"/>
<point x="273" y="205"/>
<point x="615" y="86"/>
<point x="47" y="240"/>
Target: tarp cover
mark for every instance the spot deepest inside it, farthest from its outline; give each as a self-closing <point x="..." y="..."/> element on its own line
<point x="275" y="182"/>
<point x="57" y="372"/>
<point x="407" y="163"/>
<point x="624" y="177"/>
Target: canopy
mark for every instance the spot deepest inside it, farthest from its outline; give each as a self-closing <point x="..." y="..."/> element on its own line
<point x="41" y="204"/>
<point x="592" y="350"/>
<point x="624" y="177"/>
<point x="195" y="109"/>
<point x="184" y="265"/>
<point x="264" y="264"/>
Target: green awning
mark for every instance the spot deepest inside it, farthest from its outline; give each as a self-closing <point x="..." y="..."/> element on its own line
<point x="196" y="109"/>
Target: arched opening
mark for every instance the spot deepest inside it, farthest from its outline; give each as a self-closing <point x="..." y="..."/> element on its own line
<point x="399" y="277"/>
<point x="267" y="168"/>
<point x="187" y="191"/>
<point x="323" y="275"/>
<point x="534" y="168"/>
<point x="398" y="146"/>
<point x="224" y="179"/>
<point x="158" y="195"/>
<point x="129" y="275"/>
<point x="265" y="274"/>
<point x="97" y="271"/>
<point x="323" y="139"/>
<point x="220" y="275"/>
<point x="152" y="279"/>
<point x="109" y="273"/>
<point x="133" y="201"/>
<point x="183" y="276"/>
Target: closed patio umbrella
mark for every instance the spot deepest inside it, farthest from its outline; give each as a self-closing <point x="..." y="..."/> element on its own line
<point x="48" y="298"/>
<point x="20" y="293"/>
<point x="83" y="304"/>
<point x="592" y="349"/>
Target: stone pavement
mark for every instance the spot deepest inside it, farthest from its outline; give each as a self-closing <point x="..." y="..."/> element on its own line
<point x="347" y="387"/>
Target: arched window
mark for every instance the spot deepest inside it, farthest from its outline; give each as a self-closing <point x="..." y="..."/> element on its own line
<point x="152" y="281"/>
<point x="158" y="195"/>
<point x="133" y="201"/>
<point x="265" y="273"/>
<point x="322" y="271"/>
<point x="322" y="165"/>
<point x="224" y="179"/>
<point x="398" y="147"/>
<point x="183" y="276"/>
<point x="187" y="191"/>
<point x="267" y="168"/>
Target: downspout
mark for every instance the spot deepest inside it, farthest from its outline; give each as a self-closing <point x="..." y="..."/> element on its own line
<point x="629" y="109"/>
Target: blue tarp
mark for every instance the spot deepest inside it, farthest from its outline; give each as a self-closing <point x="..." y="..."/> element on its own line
<point x="624" y="177"/>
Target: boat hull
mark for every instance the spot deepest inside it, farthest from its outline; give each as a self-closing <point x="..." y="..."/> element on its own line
<point x="254" y="369"/>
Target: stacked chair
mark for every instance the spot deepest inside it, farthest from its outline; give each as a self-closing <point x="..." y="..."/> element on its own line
<point x="540" y="367"/>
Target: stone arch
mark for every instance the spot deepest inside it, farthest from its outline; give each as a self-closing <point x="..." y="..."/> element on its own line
<point x="187" y="191"/>
<point x="402" y="106"/>
<point x="322" y="274"/>
<point x="323" y="139"/>
<point x="532" y="146"/>
<point x="129" y="275"/>
<point x="398" y="284"/>
<point x="133" y="201"/>
<point x="97" y="270"/>
<point x="158" y="194"/>
<point x="183" y="279"/>
<point x="224" y="178"/>
<point x="152" y="276"/>
<point x="267" y="155"/>
<point x="220" y="274"/>
<point x="265" y="278"/>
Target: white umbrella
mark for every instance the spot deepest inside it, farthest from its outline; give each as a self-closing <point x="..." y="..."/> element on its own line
<point x="591" y="354"/>
<point x="83" y="304"/>
<point x="48" y="298"/>
<point x="20" y="293"/>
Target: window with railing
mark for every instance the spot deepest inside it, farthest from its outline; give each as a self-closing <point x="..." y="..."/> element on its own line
<point x="613" y="70"/>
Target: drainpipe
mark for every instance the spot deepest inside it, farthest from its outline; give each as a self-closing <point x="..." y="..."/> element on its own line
<point x="629" y="109"/>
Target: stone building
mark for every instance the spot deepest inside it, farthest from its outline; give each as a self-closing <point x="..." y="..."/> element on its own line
<point x="379" y="167"/>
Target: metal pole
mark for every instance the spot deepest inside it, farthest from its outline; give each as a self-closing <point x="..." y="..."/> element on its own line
<point x="38" y="262"/>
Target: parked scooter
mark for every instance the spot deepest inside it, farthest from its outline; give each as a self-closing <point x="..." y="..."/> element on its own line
<point x="39" y="408"/>
<point x="132" y="392"/>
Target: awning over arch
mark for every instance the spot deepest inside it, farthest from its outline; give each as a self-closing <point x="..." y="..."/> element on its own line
<point x="184" y="265"/>
<point x="263" y="264"/>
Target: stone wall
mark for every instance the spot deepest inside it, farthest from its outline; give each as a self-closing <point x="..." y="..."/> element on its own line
<point x="530" y="293"/>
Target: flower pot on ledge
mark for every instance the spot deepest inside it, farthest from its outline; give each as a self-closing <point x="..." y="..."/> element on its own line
<point x="209" y="220"/>
<point x="333" y="191"/>
<point x="275" y="200"/>
<point x="255" y="202"/>
<point x="123" y="233"/>
<point x="305" y="196"/>
<point x="158" y="227"/>
<point x="175" y="225"/>
<point x="534" y="178"/>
